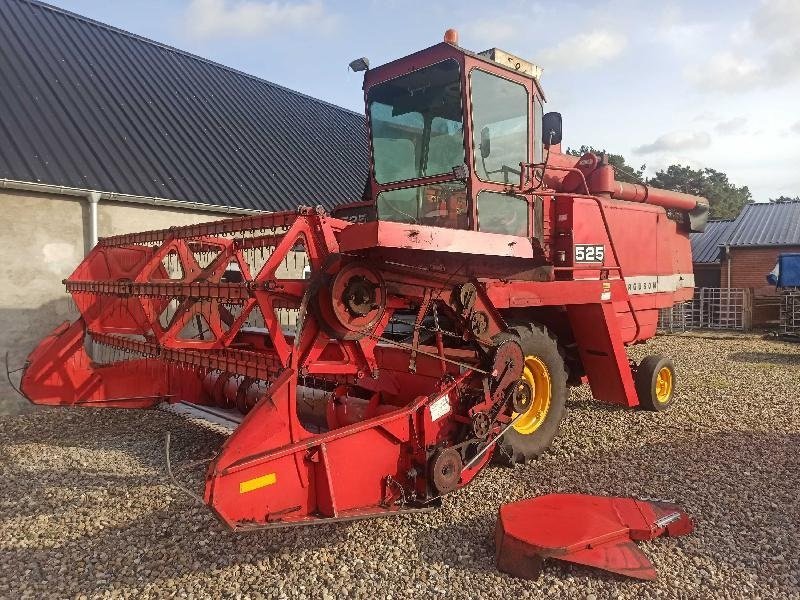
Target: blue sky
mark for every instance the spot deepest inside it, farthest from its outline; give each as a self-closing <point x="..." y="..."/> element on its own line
<point x="713" y="83"/>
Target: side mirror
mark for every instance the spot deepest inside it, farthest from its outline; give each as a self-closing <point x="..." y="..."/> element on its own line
<point x="551" y="128"/>
<point x="486" y="142"/>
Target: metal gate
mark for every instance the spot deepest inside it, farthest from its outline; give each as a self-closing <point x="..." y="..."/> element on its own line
<point x="711" y="308"/>
<point x="790" y="312"/>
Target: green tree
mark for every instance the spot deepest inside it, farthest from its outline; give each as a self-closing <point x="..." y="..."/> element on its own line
<point x="725" y="199"/>
<point x="623" y="171"/>
<point x="785" y="199"/>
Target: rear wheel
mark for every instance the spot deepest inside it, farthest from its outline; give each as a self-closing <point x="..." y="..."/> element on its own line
<point x="544" y="372"/>
<point x="655" y="383"/>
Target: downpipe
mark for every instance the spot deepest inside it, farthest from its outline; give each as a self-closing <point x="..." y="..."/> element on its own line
<point x="93" y="198"/>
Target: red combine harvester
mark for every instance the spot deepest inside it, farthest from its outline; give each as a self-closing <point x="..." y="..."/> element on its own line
<point x="371" y="361"/>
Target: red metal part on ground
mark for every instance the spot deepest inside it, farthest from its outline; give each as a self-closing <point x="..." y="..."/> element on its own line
<point x="597" y="531"/>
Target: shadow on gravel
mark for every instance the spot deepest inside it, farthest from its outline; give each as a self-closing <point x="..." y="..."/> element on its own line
<point x="738" y="486"/>
<point x="137" y="432"/>
<point x="776" y="358"/>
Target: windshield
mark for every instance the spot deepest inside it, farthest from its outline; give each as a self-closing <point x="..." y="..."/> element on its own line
<point x="417" y="124"/>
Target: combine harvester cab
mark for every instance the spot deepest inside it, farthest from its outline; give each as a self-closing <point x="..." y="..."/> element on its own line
<point x="372" y="361"/>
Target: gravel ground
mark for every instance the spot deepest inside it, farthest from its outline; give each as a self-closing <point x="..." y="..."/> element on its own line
<point x="85" y="510"/>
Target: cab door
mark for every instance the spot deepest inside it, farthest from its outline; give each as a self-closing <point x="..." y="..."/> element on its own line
<point x="503" y="107"/>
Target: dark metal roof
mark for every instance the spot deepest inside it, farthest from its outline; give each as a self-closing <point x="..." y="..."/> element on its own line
<point x="767" y="224"/>
<point x="759" y="224"/>
<point x="706" y="245"/>
<point x="90" y="106"/>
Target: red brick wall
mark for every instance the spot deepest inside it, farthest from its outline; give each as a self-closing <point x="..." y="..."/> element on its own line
<point x="749" y="269"/>
<point x="750" y="266"/>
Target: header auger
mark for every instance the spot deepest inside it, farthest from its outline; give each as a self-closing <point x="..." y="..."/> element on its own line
<point x="373" y="360"/>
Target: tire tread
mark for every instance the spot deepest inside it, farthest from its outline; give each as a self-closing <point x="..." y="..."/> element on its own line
<point x="522" y="450"/>
<point x="645" y="372"/>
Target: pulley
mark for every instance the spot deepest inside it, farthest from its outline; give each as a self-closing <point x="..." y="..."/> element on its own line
<point x="445" y="470"/>
<point x="351" y="302"/>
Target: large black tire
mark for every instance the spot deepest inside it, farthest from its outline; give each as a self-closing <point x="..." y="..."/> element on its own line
<point x="654" y="392"/>
<point x="536" y="341"/>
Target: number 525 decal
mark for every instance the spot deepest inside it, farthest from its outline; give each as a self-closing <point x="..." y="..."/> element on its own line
<point x="589" y="253"/>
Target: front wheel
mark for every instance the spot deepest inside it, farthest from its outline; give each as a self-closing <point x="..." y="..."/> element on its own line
<point x="655" y="383"/>
<point x="546" y="375"/>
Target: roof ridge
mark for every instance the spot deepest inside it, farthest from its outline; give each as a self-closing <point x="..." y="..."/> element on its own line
<point x="186" y="53"/>
<point x="772" y="203"/>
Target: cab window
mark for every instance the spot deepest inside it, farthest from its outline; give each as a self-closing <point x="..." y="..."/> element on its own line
<point x="417" y="124"/>
<point x="502" y="213"/>
<point x="438" y="205"/>
<point x="499" y="127"/>
<point x="537" y="133"/>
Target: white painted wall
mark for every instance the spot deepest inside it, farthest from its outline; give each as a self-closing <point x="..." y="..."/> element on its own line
<point x="43" y="237"/>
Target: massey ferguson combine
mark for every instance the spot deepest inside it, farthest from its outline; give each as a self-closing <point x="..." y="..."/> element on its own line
<point x="371" y="361"/>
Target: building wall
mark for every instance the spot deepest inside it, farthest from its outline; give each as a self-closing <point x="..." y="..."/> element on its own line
<point x="750" y="266"/>
<point x="43" y="239"/>
<point x="748" y="269"/>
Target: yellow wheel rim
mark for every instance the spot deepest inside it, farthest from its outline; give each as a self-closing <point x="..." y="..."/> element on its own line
<point x="664" y="385"/>
<point x="537" y="376"/>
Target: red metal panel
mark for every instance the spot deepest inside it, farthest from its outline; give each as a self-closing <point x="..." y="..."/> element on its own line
<point x="597" y="531"/>
<point x="554" y="293"/>
<point x="385" y="234"/>
<point x="602" y="352"/>
<point x="60" y="372"/>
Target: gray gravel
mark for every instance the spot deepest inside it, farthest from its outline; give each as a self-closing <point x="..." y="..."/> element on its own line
<point x="85" y="510"/>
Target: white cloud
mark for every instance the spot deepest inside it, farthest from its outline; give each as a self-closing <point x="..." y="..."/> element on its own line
<point x="490" y="32"/>
<point x="662" y="162"/>
<point x="767" y="52"/>
<point x="783" y="62"/>
<point x="585" y="50"/>
<point x="677" y="31"/>
<point x="221" y="18"/>
<point x="676" y="141"/>
<point x="775" y="18"/>
<point x="725" y="72"/>
<point x="731" y="126"/>
<point x="706" y="116"/>
<point x="728" y="72"/>
<point x="493" y="31"/>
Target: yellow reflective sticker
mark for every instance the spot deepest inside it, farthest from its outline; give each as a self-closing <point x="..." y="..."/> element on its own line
<point x="257" y="483"/>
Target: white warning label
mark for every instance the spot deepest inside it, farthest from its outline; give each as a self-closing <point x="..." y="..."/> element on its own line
<point x="440" y="407"/>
